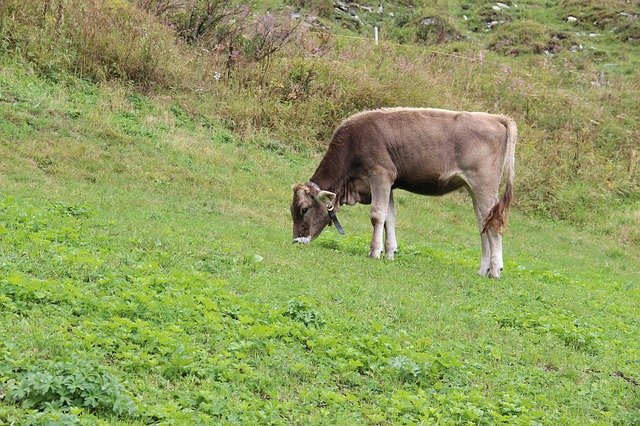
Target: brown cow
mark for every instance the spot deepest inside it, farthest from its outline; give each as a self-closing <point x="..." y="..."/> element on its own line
<point x="421" y="150"/>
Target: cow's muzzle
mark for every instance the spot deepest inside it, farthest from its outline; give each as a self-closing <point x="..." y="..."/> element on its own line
<point x="302" y="240"/>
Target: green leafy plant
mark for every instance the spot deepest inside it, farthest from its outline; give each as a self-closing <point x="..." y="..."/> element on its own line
<point x="64" y="385"/>
<point x="300" y="310"/>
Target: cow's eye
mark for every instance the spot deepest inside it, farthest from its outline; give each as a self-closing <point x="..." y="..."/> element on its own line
<point x="304" y="210"/>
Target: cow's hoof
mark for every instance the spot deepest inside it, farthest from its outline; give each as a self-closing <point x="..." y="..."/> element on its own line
<point x="494" y="272"/>
<point x="390" y="256"/>
<point x="374" y="255"/>
<point x="483" y="272"/>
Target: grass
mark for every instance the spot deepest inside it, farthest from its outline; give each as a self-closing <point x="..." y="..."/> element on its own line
<point x="145" y="249"/>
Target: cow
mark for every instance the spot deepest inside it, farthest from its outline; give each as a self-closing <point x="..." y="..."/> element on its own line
<point x="422" y="150"/>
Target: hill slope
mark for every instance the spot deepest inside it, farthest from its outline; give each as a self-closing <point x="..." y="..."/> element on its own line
<point x="147" y="275"/>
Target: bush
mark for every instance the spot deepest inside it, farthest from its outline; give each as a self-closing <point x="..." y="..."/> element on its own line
<point x="485" y="14"/>
<point x="435" y="30"/>
<point x="96" y="39"/>
<point x="323" y="8"/>
<point x="63" y="385"/>
<point x="617" y="16"/>
<point x="521" y="37"/>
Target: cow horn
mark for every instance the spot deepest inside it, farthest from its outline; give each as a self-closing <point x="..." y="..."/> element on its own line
<point x="325" y="197"/>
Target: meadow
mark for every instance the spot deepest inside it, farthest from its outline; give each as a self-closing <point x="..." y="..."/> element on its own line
<point x="147" y="274"/>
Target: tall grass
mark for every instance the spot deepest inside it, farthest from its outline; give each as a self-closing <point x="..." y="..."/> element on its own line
<point x="96" y="39"/>
<point x="578" y="140"/>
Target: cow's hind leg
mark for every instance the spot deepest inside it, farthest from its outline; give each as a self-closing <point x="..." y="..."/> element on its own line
<point x="484" y="198"/>
<point x="380" y="195"/>
<point x="390" y="243"/>
<point x="496" y="263"/>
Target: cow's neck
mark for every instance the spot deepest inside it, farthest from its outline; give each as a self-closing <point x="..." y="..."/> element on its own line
<point x="325" y="183"/>
<point x="333" y="171"/>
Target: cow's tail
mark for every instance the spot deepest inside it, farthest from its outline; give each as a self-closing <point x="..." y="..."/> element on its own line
<point x="498" y="216"/>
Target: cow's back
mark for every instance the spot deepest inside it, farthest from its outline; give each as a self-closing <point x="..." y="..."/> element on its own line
<point x="423" y="149"/>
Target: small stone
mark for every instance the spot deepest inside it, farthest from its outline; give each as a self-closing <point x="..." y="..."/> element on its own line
<point x="503" y="6"/>
<point x="572" y="19"/>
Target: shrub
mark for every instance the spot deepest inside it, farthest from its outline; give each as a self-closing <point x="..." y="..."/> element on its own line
<point x="435" y="30"/>
<point x="63" y="385"/>
<point x="299" y="310"/>
<point x="617" y="16"/>
<point x="521" y="37"/>
<point x="323" y="8"/>
<point x="485" y="14"/>
<point x="629" y="30"/>
<point x="96" y="39"/>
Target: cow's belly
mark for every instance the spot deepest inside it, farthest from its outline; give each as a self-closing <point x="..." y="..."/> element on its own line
<point x="429" y="185"/>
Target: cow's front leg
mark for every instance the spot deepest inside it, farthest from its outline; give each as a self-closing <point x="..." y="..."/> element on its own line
<point x="390" y="243"/>
<point x="380" y="193"/>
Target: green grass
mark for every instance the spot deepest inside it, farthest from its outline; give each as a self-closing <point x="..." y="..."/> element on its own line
<point x="147" y="275"/>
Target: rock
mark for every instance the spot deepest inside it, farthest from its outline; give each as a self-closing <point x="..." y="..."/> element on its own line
<point x="465" y="17"/>
<point x="428" y="21"/>
<point x="391" y="14"/>
<point x="503" y="6"/>
<point x="496" y="8"/>
<point x="380" y="10"/>
<point x="295" y="15"/>
<point x="340" y="5"/>
<point x="572" y="19"/>
<point x="592" y="35"/>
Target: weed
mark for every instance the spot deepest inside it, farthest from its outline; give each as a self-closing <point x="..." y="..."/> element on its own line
<point x="60" y="386"/>
<point x="299" y="310"/>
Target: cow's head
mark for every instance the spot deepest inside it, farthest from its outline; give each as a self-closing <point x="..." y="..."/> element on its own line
<point x="311" y="209"/>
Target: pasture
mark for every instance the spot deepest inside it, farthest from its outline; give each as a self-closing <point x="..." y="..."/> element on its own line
<point x="147" y="276"/>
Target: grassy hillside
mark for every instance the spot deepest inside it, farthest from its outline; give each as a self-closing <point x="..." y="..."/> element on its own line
<point x="148" y="275"/>
<point x="146" y="269"/>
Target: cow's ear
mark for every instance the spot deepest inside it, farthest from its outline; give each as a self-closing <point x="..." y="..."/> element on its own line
<point x="325" y="197"/>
